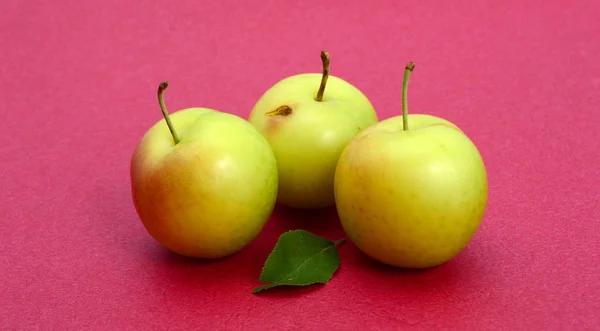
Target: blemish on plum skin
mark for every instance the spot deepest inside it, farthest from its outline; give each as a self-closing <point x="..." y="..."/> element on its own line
<point x="276" y="118"/>
<point x="284" y="110"/>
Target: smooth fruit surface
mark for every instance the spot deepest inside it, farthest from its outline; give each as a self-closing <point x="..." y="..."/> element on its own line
<point x="209" y="195"/>
<point x="411" y="198"/>
<point x="309" y="137"/>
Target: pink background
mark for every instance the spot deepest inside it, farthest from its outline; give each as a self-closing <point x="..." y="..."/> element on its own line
<point x="78" y="82"/>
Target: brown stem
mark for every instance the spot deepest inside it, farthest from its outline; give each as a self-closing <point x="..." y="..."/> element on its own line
<point x="325" y="60"/>
<point x="407" y="71"/>
<point x="161" y="89"/>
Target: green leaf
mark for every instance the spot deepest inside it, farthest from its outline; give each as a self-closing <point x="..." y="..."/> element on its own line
<point x="300" y="258"/>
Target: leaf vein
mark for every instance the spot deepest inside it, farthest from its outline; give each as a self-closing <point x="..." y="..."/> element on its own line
<point x="303" y="262"/>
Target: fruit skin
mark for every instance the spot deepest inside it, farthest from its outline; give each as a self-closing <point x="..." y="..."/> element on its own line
<point x="211" y="194"/>
<point x="411" y="199"/>
<point x="308" y="142"/>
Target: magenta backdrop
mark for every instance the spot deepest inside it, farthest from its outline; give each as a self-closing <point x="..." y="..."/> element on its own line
<point x="78" y="82"/>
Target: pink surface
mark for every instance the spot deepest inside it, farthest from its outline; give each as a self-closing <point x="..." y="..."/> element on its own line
<point x="78" y="82"/>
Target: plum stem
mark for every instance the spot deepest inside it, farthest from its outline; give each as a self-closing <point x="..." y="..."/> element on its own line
<point x="340" y="242"/>
<point x="407" y="71"/>
<point x="325" y="60"/>
<point x="161" y="89"/>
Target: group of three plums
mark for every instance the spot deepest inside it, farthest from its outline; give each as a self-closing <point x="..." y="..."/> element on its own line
<point x="410" y="190"/>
